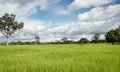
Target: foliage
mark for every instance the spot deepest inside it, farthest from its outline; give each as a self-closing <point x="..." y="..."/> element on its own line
<point x="66" y="41"/>
<point x="84" y="40"/>
<point x="95" y="38"/>
<point x="23" y="43"/>
<point x="113" y="35"/>
<point x="8" y="25"/>
<point x="37" y="39"/>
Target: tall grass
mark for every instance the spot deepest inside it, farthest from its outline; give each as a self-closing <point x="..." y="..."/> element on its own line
<point x="60" y="58"/>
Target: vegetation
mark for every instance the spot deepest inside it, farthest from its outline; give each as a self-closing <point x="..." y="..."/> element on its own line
<point x="37" y="39"/>
<point x="113" y="35"/>
<point x="83" y="40"/>
<point x="95" y="38"/>
<point x="65" y="40"/>
<point x="60" y="58"/>
<point x="8" y="25"/>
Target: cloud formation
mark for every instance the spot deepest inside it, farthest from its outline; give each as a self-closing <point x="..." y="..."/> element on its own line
<point x="99" y="19"/>
<point x="78" y="4"/>
<point x="100" y="13"/>
<point x="25" y="8"/>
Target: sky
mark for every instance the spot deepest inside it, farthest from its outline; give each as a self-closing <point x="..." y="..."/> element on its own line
<point x="52" y="20"/>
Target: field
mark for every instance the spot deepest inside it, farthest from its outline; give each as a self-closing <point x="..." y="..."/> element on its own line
<point x="60" y="58"/>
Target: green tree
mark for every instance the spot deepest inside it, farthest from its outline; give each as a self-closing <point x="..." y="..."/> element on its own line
<point x="95" y="38"/>
<point x="64" y="39"/>
<point x="8" y="25"/>
<point x="83" y="40"/>
<point x="113" y="35"/>
<point x="37" y="39"/>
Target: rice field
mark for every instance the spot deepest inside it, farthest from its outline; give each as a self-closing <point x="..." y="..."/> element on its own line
<point x="60" y="58"/>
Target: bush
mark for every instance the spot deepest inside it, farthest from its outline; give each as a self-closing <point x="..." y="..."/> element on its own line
<point x="83" y="41"/>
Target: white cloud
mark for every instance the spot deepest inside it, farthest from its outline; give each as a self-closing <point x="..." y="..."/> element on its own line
<point x="97" y="20"/>
<point x="25" y="8"/>
<point x="77" y="4"/>
<point x="8" y="8"/>
<point x="31" y="29"/>
<point x="100" y="13"/>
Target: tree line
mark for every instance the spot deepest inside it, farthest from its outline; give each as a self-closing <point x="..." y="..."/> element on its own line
<point x="8" y="26"/>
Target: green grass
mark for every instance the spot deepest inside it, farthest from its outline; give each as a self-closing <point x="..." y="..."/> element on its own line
<point x="60" y="58"/>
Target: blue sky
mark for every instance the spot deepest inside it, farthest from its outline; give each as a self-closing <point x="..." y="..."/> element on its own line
<point x="50" y="15"/>
<point x="54" y="19"/>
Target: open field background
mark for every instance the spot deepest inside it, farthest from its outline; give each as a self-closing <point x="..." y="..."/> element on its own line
<point x="60" y="58"/>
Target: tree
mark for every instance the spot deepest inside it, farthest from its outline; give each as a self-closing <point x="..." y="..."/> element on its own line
<point x="64" y="39"/>
<point x="95" y="38"/>
<point x="37" y="38"/>
<point x="110" y="36"/>
<point x="9" y="26"/>
<point x="113" y="35"/>
<point x="83" y="40"/>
